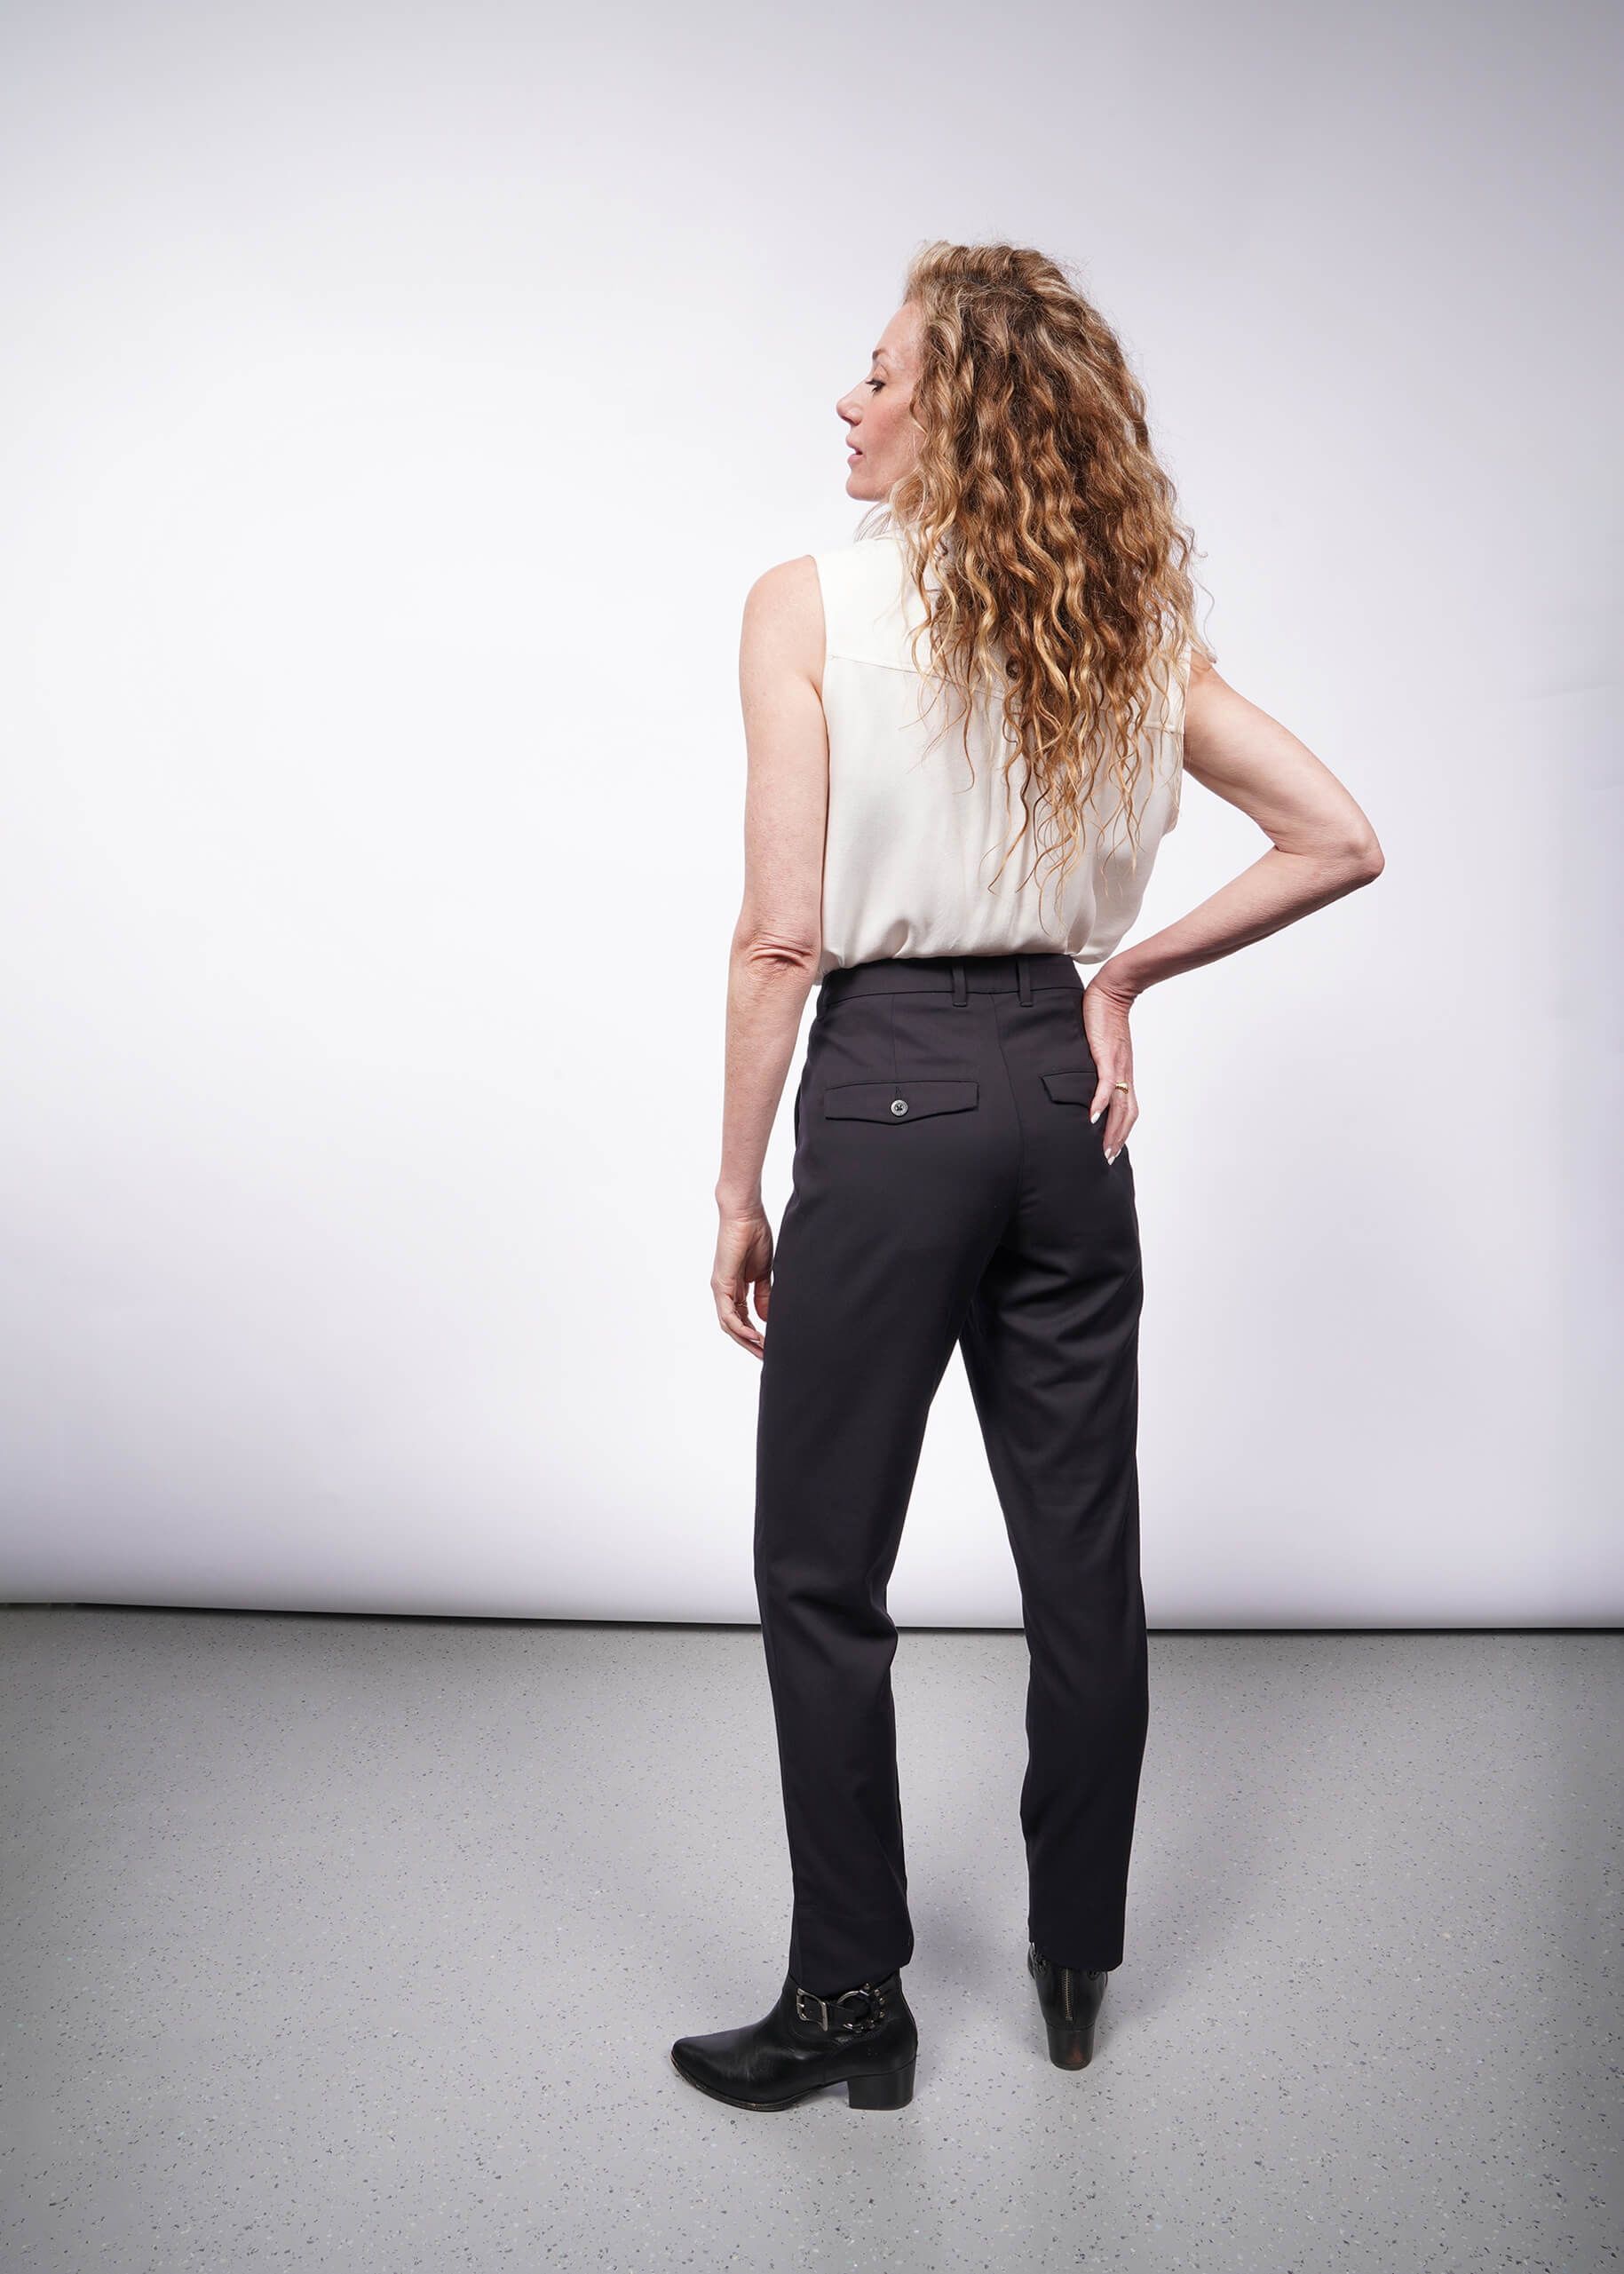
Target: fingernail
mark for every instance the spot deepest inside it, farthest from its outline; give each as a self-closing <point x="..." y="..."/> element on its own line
<point x="1094" y="1117"/>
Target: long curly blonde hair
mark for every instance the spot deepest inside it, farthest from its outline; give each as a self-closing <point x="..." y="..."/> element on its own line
<point x="1041" y="535"/>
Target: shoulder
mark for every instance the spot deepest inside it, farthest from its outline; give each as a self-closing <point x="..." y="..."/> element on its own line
<point x="1204" y="690"/>
<point x="847" y="601"/>
<point x="783" y="591"/>
<point x="1189" y="670"/>
<point x="783" y="620"/>
<point x="786" y="601"/>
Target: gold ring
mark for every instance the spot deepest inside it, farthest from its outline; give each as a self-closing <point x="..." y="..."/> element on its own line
<point x="1119" y="1085"/>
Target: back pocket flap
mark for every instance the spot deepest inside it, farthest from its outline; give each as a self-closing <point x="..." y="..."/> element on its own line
<point x="1070" y="1088"/>
<point x="898" y="1101"/>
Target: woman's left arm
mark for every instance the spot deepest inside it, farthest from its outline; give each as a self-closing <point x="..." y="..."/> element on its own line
<point x="1322" y="847"/>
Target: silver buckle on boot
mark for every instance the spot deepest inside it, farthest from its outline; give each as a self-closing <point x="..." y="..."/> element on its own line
<point x="871" y="2014"/>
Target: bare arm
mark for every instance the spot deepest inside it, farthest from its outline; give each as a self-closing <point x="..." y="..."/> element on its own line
<point x="1321" y="846"/>
<point x="772" y="963"/>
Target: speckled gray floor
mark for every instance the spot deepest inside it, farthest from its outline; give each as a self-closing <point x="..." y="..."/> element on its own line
<point x="356" y="1943"/>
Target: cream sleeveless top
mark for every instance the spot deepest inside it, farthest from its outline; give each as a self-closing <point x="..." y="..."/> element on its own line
<point x="914" y="844"/>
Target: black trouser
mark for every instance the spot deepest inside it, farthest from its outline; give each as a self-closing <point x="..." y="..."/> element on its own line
<point x="949" y="1187"/>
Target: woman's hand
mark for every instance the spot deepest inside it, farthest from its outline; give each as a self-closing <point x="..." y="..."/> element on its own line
<point x="1104" y="1022"/>
<point x="744" y="1259"/>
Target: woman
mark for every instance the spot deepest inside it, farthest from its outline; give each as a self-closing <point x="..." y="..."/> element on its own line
<point x="966" y="736"/>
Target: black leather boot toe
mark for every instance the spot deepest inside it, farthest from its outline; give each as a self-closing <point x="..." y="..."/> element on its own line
<point x="1071" y="1997"/>
<point x="865" y="2039"/>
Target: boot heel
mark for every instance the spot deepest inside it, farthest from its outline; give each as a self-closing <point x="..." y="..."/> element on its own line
<point x="894" y="2090"/>
<point x="1069" y="2048"/>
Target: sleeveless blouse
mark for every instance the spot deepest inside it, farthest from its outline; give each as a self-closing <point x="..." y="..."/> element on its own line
<point x="914" y="842"/>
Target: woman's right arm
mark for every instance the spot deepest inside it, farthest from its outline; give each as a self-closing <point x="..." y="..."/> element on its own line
<point x="1321" y="846"/>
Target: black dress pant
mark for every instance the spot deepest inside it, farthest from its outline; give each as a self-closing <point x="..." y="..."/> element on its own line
<point x="948" y="1187"/>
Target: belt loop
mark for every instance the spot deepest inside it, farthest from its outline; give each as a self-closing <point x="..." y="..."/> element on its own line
<point x="961" y="984"/>
<point x="1022" y="967"/>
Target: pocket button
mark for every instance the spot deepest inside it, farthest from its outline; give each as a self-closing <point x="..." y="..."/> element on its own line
<point x="899" y="1105"/>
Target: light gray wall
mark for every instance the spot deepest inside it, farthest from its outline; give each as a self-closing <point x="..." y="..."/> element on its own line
<point x="397" y="405"/>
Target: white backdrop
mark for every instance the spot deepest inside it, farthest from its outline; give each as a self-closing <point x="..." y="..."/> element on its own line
<point x="398" y="403"/>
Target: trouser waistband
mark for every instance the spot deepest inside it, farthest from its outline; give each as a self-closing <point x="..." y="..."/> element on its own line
<point x="963" y="975"/>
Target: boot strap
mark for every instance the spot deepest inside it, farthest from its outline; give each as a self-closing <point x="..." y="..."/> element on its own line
<point x="808" y="2007"/>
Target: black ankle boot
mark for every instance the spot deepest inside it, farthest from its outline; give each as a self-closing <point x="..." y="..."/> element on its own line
<point x="865" y="2038"/>
<point x="1071" y="1999"/>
